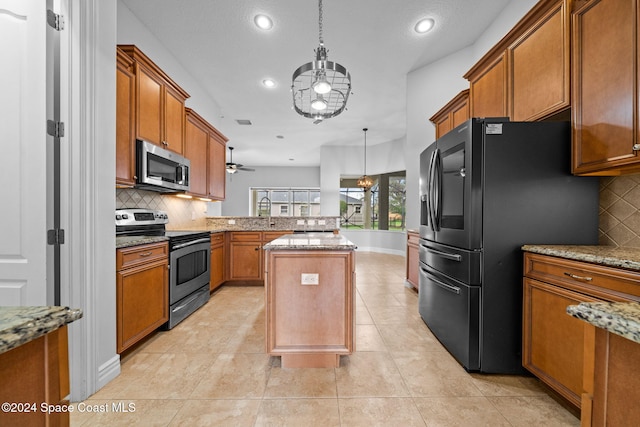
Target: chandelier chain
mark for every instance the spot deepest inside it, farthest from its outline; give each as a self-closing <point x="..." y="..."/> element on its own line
<point x="321" y="39"/>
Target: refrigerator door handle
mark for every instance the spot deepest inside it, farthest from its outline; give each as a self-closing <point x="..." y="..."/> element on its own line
<point x="430" y="190"/>
<point x="453" y="257"/>
<point x="446" y="287"/>
<point x="437" y="214"/>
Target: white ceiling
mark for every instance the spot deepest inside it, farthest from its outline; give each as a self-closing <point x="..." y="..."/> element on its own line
<point x="218" y="43"/>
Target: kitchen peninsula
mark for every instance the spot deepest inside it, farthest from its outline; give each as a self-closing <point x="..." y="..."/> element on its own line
<point x="310" y="299"/>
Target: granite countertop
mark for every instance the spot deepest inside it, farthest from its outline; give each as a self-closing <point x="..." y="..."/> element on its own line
<point x="126" y="241"/>
<point x="311" y="241"/>
<point x="19" y="325"/>
<point x="621" y="318"/>
<point x="610" y="256"/>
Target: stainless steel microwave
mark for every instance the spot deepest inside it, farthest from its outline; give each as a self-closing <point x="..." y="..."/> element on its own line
<point x="160" y="170"/>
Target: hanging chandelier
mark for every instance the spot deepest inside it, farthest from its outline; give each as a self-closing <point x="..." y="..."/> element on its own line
<point x="365" y="182"/>
<point x="320" y="88"/>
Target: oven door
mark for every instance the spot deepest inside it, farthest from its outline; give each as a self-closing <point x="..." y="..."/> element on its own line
<point x="189" y="265"/>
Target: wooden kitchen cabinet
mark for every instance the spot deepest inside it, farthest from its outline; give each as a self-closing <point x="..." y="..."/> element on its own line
<point x="605" y="87"/>
<point x="413" y="258"/>
<point x="142" y="292"/>
<point x="539" y="67"/>
<point x="205" y="148"/>
<point x="246" y="256"/>
<point x="556" y="347"/>
<point x="525" y="76"/>
<point x="125" y="121"/>
<point x="452" y="114"/>
<point x="159" y="106"/>
<point x="218" y="261"/>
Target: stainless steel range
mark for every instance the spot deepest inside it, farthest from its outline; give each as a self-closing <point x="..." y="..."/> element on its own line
<point x="189" y="259"/>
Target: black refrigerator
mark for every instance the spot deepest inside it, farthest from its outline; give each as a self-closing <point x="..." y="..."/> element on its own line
<point x="488" y="187"/>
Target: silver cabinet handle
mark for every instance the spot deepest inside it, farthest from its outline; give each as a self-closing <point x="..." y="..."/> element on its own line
<point x="573" y="276"/>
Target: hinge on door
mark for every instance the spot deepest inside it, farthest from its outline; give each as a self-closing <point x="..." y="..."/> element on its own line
<point x="55" y="236"/>
<point x="55" y="129"/>
<point x="54" y="20"/>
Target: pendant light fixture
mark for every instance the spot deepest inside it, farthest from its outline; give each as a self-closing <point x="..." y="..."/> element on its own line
<point x="320" y="88"/>
<point x="365" y="182"/>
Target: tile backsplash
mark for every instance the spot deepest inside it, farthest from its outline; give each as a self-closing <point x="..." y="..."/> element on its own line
<point x="183" y="213"/>
<point x="620" y="211"/>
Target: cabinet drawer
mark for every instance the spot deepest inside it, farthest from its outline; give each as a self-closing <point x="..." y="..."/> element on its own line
<point x="246" y="236"/>
<point x="608" y="283"/>
<point x="268" y="236"/>
<point x="413" y="238"/>
<point x="136" y="255"/>
<point x="217" y="238"/>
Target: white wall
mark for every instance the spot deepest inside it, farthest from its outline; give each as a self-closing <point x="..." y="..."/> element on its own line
<point x="431" y="87"/>
<point x="236" y="202"/>
<point x="131" y="31"/>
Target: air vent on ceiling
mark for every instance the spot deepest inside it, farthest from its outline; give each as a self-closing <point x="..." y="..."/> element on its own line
<point x="243" y="122"/>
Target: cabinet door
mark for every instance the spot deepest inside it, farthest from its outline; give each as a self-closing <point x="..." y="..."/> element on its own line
<point x="217" y="267"/>
<point x="553" y="341"/>
<point x="443" y="125"/>
<point x="142" y="302"/>
<point x="217" y="168"/>
<point x="149" y="105"/>
<point x="196" y="151"/>
<point x="125" y="131"/>
<point x="413" y="260"/>
<point x="245" y="260"/>
<point x="604" y="77"/>
<point x="489" y="91"/>
<point x="174" y="121"/>
<point x="460" y="113"/>
<point x="539" y="67"/>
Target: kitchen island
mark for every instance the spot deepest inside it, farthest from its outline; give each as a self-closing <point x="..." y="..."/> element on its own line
<point x="34" y="365"/>
<point x="310" y="299"/>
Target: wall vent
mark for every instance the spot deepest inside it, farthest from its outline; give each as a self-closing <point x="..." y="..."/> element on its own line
<point x="243" y="122"/>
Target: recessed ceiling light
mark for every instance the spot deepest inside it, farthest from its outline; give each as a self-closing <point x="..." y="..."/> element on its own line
<point x="280" y="136"/>
<point x="269" y="83"/>
<point x="263" y="22"/>
<point x="424" y="25"/>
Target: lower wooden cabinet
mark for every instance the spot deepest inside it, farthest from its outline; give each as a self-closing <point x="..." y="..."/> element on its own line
<point x="246" y="254"/>
<point x="36" y="374"/>
<point x="142" y="292"/>
<point x="413" y="258"/>
<point x="217" y="267"/>
<point x="558" y="348"/>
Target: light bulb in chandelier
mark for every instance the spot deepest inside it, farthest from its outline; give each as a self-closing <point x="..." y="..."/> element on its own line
<point x="321" y="86"/>
<point x="319" y="103"/>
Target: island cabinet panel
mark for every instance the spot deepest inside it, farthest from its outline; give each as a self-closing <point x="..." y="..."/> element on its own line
<point x="605" y="87"/>
<point x="125" y="124"/>
<point x="310" y="306"/>
<point x="34" y="374"/>
<point x="142" y="292"/>
<point x="539" y="67"/>
<point x="558" y="348"/>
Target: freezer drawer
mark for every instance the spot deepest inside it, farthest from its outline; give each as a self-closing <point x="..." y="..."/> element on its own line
<point x="460" y="264"/>
<point x="451" y="310"/>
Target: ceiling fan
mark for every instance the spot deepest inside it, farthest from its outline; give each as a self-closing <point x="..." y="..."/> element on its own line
<point x="235" y="167"/>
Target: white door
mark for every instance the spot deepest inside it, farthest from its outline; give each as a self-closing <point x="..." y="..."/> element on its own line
<point x="23" y="150"/>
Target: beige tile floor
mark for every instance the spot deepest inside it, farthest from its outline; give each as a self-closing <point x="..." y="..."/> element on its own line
<point x="212" y="370"/>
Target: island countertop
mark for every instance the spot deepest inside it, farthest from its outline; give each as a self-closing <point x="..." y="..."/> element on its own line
<point x="311" y="241"/>
<point x="610" y="256"/>
<point x="19" y="325"/>
<point x="621" y="318"/>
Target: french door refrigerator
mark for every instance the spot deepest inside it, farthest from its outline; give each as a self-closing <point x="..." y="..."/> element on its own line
<point x="488" y="187"/>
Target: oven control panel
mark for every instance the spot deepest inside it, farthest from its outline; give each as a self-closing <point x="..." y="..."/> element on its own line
<point x="128" y="217"/>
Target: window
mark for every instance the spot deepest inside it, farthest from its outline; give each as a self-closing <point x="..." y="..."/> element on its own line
<point x="285" y="201"/>
<point x="380" y="208"/>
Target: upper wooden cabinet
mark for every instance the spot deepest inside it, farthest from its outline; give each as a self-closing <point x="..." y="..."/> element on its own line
<point x="539" y="68"/>
<point x="159" y="104"/>
<point x="205" y="148"/>
<point x="605" y="87"/>
<point x="125" y="124"/>
<point x="451" y="115"/>
<point x="525" y="76"/>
